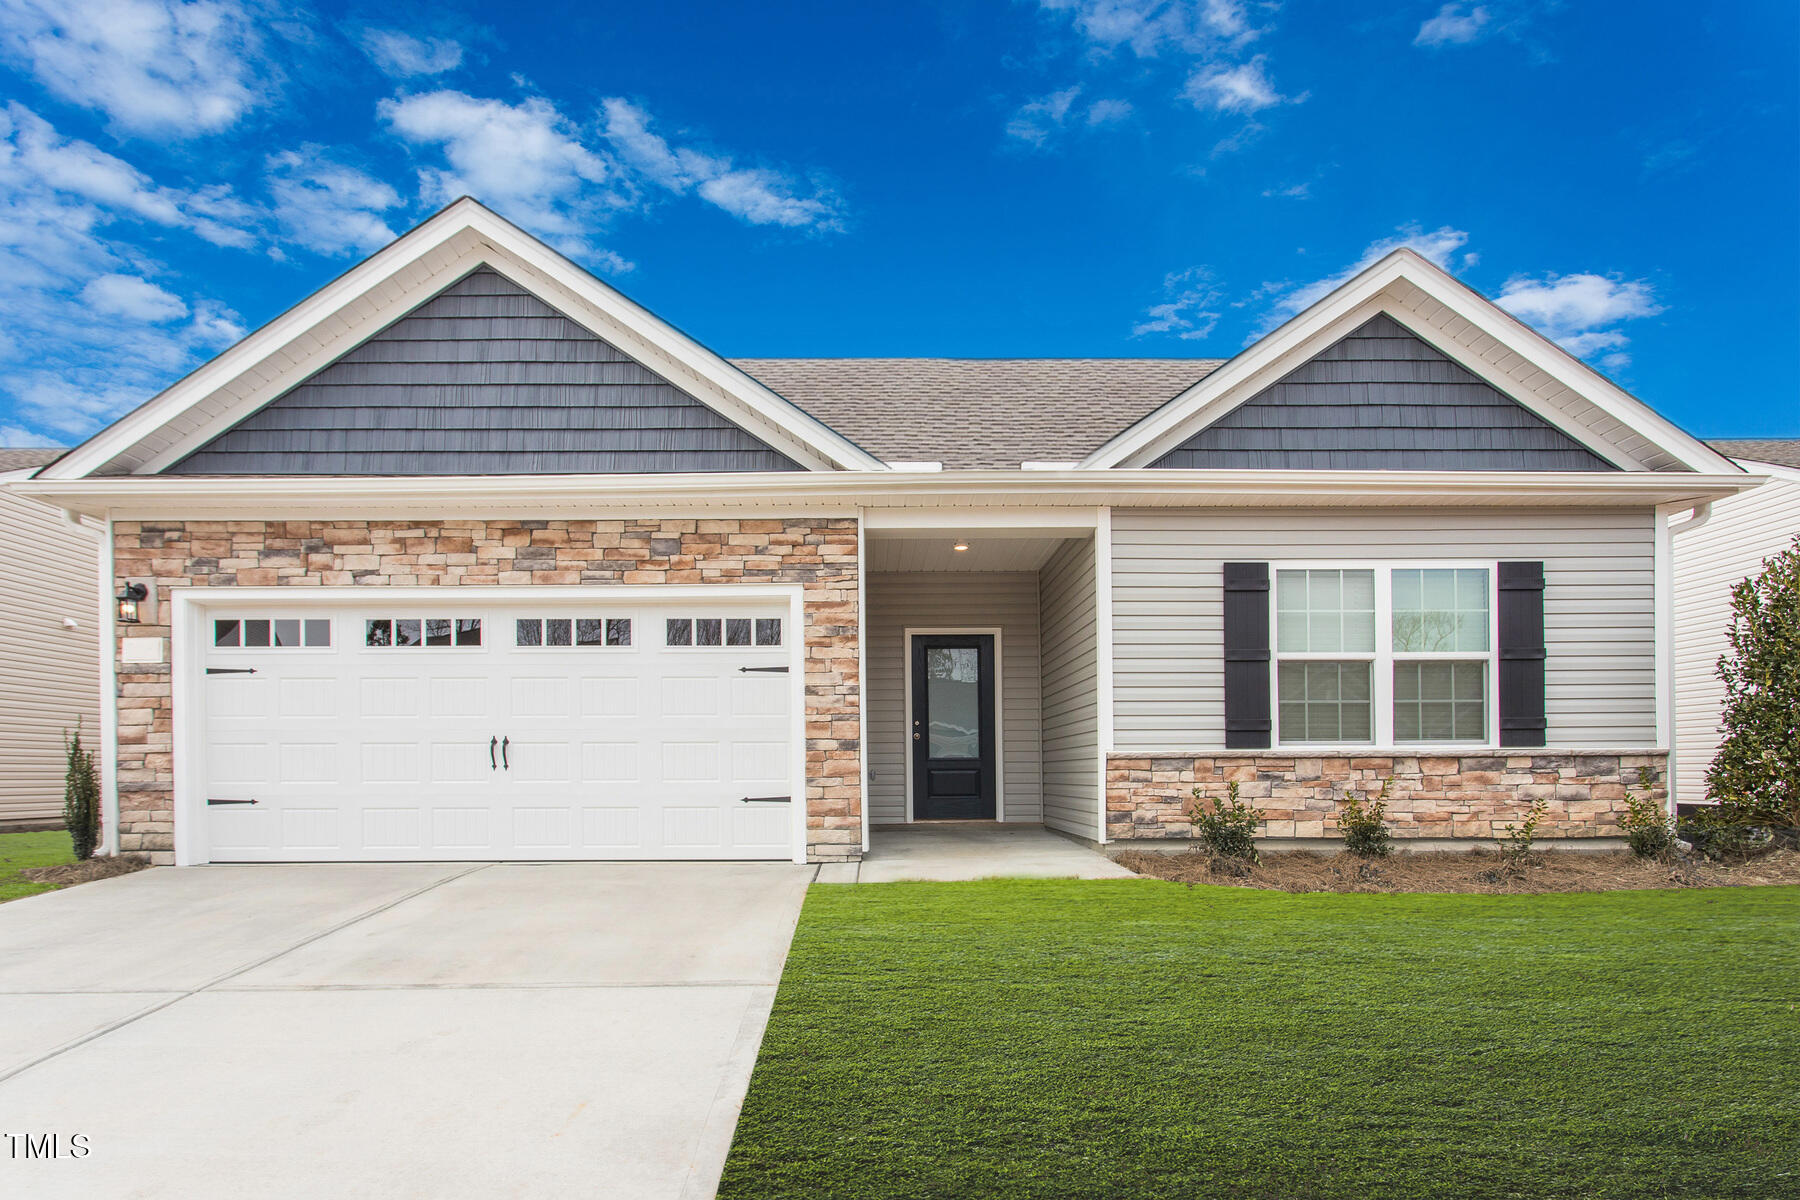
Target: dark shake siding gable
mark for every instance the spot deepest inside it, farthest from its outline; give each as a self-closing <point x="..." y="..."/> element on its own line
<point x="483" y="379"/>
<point x="1383" y="398"/>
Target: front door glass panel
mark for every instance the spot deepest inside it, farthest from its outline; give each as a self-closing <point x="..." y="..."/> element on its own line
<point x="954" y="690"/>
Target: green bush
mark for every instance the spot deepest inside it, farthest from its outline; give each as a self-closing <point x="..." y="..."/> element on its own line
<point x="1646" y="826"/>
<point x="1228" y="828"/>
<point x="1757" y="768"/>
<point x="81" y="797"/>
<point x="1515" y="847"/>
<point x="1364" y="824"/>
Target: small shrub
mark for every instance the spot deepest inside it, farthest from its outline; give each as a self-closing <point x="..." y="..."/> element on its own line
<point x="81" y="797"/>
<point x="1647" y="828"/>
<point x="1228" y="828"/>
<point x="1515" y="847"/>
<point x="1364" y="824"/>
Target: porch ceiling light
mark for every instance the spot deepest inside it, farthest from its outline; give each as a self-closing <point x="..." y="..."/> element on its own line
<point x="960" y="547"/>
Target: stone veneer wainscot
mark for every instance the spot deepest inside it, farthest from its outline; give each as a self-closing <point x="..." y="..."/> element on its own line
<point x="1433" y="796"/>
<point x="819" y="554"/>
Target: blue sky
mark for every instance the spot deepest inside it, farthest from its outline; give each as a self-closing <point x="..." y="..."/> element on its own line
<point x="1039" y="177"/>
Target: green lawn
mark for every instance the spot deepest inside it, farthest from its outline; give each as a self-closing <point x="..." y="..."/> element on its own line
<point x="21" y="850"/>
<point x="1142" y="1039"/>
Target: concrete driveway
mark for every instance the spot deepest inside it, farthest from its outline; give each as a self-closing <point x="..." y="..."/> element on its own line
<point x="388" y="1030"/>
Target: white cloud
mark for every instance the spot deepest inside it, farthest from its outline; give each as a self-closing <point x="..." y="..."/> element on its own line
<point x="133" y="297"/>
<point x="165" y="67"/>
<point x="1151" y="27"/>
<point x="1293" y="191"/>
<point x="756" y="195"/>
<point x="1036" y="120"/>
<point x="1438" y="245"/>
<point x="326" y="206"/>
<point x="1577" y="311"/>
<point x="1108" y="112"/>
<point x="525" y="160"/>
<point x="1454" y="25"/>
<point x="15" y="437"/>
<point x="1189" y="308"/>
<point x="34" y="156"/>
<point x="404" y="56"/>
<point x="1243" y="88"/>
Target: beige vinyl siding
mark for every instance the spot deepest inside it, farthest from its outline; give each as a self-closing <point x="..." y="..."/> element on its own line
<point x="954" y="600"/>
<point x="1741" y="532"/>
<point x="1071" y="709"/>
<point x="1599" y="613"/>
<point x="49" y="675"/>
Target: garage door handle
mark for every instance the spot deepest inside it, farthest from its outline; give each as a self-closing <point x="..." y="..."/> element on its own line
<point x="231" y="670"/>
<point x="766" y="800"/>
<point x="504" y="743"/>
<point x="492" y="765"/>
<point x="214" y="800"/>
<point x="762" y="670"/>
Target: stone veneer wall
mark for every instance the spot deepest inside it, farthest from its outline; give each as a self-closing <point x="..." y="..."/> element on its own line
<point x="1460" y="796"/>
<point x="819" y="554"/>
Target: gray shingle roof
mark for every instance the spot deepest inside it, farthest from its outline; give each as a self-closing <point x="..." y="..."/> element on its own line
<point x="15" y="459"/>
<point x="1784" y="452"/>
<point x="979" y="412"/>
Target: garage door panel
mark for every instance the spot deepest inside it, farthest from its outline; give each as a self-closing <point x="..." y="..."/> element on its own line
<point x="383" y="751"/>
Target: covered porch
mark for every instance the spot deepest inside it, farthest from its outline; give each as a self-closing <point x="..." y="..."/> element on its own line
<point x="985" y="668"/>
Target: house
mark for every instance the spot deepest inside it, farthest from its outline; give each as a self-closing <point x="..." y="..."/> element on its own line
<point x="469" y="556"/>
<point x="50" y="636"/>
<point x="1727" y="542"/>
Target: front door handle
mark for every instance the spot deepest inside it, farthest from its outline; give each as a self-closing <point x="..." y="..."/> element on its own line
<point x="504" y="743"/>
<point x="492" y="765"/>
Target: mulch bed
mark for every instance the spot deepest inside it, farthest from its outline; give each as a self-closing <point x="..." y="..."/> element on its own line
<point x="86" y="872"/>
<point x="1476" y="870"/>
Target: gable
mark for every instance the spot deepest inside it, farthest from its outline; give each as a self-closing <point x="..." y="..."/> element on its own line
<point x="483" y="379"/>
<point x="1382" y="398"/>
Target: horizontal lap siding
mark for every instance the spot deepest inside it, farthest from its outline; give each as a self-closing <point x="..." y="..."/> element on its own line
<point x="1731" y="546"/>
<point x="1168" y="654"/>
<point x="1072" y="792"/>
<point x="953" y="599"/>
<point x="48" y="571"/>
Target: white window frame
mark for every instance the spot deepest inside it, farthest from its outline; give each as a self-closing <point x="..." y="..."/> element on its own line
<point x="1382" y="660"/>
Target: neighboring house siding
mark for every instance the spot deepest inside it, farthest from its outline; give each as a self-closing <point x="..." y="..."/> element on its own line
<point x="1381" y="397"/>
<point x="1072" y="792"/>
<point x="1168" y="657"/>
<point x="954" y="600"/>
<point x="483" y="379"/>
<point x="1732" y="544"/>
<point x="49" y="675"/>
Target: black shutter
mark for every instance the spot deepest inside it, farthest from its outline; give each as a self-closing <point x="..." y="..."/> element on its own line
<point x="1522" y="720"/>
<point x="1247" y="724"/>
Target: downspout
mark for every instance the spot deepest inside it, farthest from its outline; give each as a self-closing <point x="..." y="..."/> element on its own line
<point x="1664" y="628"/>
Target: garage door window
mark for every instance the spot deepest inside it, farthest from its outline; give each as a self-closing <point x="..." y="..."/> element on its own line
<point x="271" y="633"/>
<point x="534" y="632"/>
<point x="710" y="632"/>
<point x="404" y="633"/>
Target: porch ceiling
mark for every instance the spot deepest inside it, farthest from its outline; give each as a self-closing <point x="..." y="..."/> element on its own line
<point x="934" y="550"/>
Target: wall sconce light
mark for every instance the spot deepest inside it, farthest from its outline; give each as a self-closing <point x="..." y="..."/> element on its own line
<point x="960" y="547"/>
<point x="129" y="597"/>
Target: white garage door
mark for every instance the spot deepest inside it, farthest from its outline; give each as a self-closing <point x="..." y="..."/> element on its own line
<point x="447" y="732"/>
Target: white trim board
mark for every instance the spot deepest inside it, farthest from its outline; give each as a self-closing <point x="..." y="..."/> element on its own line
<point x="396" y="279"/>
<point x="1462" y="324"/>
<point x="906" y="640"/>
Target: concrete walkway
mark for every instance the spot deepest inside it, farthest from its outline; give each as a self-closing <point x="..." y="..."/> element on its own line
<point x="394" y="1030"/>
<point x="963" y="850"/>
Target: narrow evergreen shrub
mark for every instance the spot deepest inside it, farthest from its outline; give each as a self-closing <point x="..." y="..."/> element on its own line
<point x="81" y="797"/>
<point x="1756" y="772"/>
<point x="1515" y="847"/>
<point x="1364" y="823"/>
<point x="1228" y="828"/>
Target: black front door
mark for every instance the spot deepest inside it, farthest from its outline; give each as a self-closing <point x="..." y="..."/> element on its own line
<point x="953" y="726"/>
